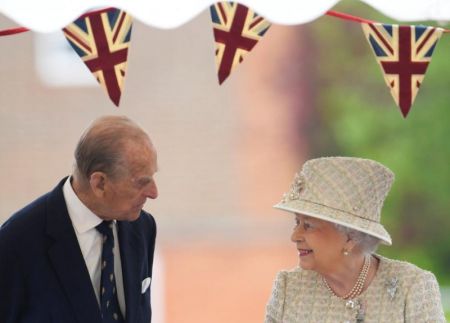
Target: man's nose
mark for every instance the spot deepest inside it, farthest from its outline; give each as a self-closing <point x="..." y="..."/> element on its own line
<point x="152" y="191"/>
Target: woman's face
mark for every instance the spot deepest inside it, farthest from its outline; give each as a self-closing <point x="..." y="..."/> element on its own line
<point x="319" y="244"/>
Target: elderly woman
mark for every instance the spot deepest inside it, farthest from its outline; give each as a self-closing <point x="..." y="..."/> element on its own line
<point x="337" y="203"/>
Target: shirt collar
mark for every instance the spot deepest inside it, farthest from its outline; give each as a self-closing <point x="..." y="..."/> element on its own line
<point x="83" y="219"/>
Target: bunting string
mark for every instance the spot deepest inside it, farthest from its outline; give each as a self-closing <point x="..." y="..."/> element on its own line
<point x="345" y="16"/>
<point x="13" y="31"/>
<point x="348" y="17"/>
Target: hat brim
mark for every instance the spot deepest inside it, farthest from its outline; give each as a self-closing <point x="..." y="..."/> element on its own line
<point x="336" y="216"/>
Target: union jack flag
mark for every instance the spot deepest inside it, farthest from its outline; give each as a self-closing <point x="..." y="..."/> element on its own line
<point x="403" y="53"/>
<point x="237" y="30"/>
<point x="101" y="39"/>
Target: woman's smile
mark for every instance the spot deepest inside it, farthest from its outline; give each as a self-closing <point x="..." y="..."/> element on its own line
<point x="304" y="252"/>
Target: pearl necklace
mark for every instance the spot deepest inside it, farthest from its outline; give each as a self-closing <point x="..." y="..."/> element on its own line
<point x="360" y="282"/>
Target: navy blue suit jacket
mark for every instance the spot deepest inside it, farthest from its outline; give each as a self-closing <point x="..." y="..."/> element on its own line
<point x="43" y="276"/>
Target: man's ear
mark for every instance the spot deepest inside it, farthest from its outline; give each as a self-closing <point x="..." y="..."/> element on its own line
<point x="97" y="182"/>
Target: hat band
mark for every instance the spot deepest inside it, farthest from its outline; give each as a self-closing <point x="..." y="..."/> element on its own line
<point x="336" y="209"/>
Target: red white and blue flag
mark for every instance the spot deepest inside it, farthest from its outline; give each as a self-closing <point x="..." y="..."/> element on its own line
<point x="237" y="29"/>
<point x="101" y="39"/>
<point x="403" y="53"/>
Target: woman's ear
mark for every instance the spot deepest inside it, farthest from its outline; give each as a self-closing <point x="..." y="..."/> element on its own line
<point x="350" y="243"/>
<point x="97" y="182"/>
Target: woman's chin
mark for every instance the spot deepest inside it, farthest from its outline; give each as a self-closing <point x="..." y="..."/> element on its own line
<point x="303" y="264"/>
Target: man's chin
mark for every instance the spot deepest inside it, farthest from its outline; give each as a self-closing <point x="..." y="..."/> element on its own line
<point x="133" y="217"/>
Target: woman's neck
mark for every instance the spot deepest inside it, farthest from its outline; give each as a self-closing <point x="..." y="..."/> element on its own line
<point x="345" y="274"/>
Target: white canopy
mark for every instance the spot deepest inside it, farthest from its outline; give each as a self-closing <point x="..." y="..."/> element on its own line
<point x="52" y="15"/>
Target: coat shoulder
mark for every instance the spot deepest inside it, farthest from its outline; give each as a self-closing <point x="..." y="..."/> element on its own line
<point x="146" y="221"/>
<point x="24" y="222"/>
<point x="145" y="226"/>
<point x="405" y="270"/>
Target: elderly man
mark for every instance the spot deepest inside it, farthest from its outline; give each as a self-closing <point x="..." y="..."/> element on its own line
<point x="84" y="251"/>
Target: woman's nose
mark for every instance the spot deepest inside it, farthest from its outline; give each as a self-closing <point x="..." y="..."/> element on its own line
<point x="297" y="234"/>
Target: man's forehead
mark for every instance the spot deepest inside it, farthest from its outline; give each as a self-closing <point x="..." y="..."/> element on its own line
<point x="140" y="155"/>
<point x="143" y="171"/>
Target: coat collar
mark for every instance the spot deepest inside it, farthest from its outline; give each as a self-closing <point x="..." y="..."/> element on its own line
<point x="67" y="260"/>
<point x="131" y="253"/>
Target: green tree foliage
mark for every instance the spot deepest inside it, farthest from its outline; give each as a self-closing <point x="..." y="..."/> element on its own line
<point x="359" y="118"/>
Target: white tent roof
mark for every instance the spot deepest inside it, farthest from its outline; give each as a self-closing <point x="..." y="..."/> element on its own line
<point x="52" y="15"/>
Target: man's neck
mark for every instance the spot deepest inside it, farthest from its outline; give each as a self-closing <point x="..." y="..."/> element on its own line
<point x="82" y="191"/>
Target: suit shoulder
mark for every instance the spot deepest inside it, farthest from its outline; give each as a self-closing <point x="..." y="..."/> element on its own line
<point x="23" y="228"/>
<point x="26" y="219"/>
<point x="147" y="220"/>
<point x="145" y="225"/>
<point x="145" y="216"/>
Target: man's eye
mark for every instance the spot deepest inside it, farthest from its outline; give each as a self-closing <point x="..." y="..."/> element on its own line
<point x="142" y="183"/>
<point x="307" y="226"/>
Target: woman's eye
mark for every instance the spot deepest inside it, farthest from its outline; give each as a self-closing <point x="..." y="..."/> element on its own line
<point x="307" y="226"/>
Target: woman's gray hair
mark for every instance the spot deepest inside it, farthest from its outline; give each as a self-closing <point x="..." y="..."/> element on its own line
<point x="101" y="147"/>
<point x="367" y="243"/>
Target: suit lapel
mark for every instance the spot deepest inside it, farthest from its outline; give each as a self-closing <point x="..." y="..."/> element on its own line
<point x="130" y="249"/>
<point x="67" y="260"/>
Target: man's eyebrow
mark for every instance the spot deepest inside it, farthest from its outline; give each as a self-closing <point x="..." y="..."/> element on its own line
<point x="142" y="180"/>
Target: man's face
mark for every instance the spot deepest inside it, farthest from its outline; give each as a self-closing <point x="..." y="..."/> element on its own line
<point x="126" y="195"/>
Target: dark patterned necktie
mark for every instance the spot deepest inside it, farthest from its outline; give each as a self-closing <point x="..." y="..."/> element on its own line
<point x="109" y="304"/>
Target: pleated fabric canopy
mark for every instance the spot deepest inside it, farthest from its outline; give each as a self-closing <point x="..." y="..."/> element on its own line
<point x="51" y="15"/>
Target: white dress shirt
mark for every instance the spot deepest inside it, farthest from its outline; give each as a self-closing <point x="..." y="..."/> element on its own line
<point x="84" y="222"/>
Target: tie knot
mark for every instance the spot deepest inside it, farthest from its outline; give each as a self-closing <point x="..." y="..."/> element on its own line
<point x="105" y="228"/>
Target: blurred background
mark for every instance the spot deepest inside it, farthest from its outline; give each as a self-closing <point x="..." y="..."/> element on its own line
<point x="228" y="153"/>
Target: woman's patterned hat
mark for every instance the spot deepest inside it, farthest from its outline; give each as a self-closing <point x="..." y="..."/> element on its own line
<point x="343" y="190"/>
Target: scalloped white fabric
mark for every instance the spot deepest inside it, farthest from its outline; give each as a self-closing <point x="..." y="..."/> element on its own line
<point x="52" y="15"/>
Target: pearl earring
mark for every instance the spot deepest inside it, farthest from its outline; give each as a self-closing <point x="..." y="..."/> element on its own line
<point x="345" y="252"/>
